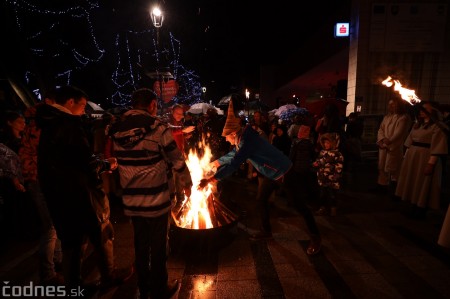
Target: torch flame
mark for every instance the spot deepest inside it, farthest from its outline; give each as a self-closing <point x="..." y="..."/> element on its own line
<point x="197" y="215"/>
<point x="408" y="95"/>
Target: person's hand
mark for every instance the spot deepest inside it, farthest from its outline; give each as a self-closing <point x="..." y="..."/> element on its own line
<point x="18" y="186"/>
<point x="429" y="168"/>
<point x="381" y="144"/>
<point x="203" y="183"/>
<point x="113" y="163"/>
<point x="214" y="164"/>
<point x="188" y="130"/>
<point x="187" y="191"/>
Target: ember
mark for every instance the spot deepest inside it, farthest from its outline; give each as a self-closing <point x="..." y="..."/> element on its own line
<point x="202" y="210"/>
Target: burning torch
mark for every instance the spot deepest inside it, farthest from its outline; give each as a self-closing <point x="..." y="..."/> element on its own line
<point x="410" y="96"/>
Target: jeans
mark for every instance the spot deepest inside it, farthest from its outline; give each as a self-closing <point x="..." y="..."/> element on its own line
<point x="49" y="245"/>
<point x="74" y="245"/>
<point x="150" y="245"/>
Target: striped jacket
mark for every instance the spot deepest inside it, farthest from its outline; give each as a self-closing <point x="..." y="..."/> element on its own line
<point x="145" y="149"/>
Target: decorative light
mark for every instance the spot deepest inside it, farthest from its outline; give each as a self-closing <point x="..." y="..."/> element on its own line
<point x="125" y="76"/>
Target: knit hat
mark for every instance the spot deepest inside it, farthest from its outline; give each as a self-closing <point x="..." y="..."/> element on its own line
<point x="303" y="132"/>
<point x="233" y="123"/>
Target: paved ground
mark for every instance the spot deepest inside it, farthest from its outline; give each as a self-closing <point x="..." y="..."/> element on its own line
<point x="370" y="250"/>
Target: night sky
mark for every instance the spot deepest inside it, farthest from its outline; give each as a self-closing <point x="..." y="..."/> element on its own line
<point x="223" y="41"/>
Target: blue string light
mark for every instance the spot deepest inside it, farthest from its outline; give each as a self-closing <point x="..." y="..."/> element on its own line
<point x="126" y="75"/>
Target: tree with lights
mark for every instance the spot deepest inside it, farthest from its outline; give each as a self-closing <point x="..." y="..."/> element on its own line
<point x="86" y="44"/>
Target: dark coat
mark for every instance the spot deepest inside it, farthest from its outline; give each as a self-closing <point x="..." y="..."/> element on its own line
<point x="68" y="173"/>
<point x="302" y="155"/>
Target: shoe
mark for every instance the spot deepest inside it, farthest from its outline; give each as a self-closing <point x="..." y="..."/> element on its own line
<point x="117" y="277"/>
<point x="261" y="236"/>
<point x="57" y="280"/>
<point x="314" y="245"/>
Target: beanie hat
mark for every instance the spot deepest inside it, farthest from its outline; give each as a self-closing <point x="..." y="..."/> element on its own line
<point x="303" y="132"/>
<point x="233" y="123"/>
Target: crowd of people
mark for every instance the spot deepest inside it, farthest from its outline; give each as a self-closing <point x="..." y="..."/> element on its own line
<point x="72" y="169"/>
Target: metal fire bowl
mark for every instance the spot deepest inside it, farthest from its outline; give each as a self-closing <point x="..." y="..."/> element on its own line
<point x="202" y="239"/>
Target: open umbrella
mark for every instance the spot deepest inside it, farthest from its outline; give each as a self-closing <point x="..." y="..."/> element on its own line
<point x="284" y="108"/>
<point x="94" y="110"/>
<point x="289" y="114"/>
<point x="201" y="108"/>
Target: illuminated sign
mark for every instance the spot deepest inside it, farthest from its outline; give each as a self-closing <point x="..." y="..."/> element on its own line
<point x="341" y="29"/>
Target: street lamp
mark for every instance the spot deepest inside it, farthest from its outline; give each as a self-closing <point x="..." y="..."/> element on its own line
<point x="157" y="17"/>
<point x="157" y="20"/>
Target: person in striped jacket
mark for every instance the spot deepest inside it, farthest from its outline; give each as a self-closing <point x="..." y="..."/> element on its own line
<point x="147" y="153"/>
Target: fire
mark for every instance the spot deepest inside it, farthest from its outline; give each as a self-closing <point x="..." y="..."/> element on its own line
<point x="194" y="212"/>
<point x="408" y="95"/>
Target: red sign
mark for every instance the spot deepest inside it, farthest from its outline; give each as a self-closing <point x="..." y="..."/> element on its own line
<point x="169" y="90"/>
<point x="341" y="29"/>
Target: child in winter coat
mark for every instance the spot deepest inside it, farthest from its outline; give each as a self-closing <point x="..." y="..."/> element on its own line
<point x="329" y="165"/>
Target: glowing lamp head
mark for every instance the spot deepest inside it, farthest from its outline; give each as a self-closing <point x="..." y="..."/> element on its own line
<point x="157" y="17"/>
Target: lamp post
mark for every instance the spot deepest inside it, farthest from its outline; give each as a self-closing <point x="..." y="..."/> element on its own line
<point x="157" y="20"/>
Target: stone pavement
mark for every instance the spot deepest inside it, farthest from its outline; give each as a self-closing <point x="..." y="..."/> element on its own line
<point x="370" y="250"/>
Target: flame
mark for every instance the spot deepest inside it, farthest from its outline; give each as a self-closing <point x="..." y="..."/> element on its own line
<point x="195" y="211"/>
<point x="408" y="95"/>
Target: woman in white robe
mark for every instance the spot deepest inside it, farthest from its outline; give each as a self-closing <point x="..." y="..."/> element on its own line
<point x="420" y="176"/>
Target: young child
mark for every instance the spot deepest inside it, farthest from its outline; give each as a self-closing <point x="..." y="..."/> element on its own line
<point x="329" y="165"/>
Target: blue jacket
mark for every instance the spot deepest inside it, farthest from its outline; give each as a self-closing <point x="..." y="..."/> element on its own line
<point x="267" y="159"/>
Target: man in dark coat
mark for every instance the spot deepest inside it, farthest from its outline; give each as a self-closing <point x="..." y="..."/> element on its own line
<point x="69" y="179"/>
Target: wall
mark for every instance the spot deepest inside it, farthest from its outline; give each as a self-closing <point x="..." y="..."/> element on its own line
<point x="409" y="40"/>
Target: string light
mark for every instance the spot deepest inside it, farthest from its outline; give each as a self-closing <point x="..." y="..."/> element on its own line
<point x="125" y="77"/>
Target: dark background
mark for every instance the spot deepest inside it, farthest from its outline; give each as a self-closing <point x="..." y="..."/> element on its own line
<point x="223" y="41"/>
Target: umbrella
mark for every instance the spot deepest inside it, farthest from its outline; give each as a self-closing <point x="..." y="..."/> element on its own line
<point x="284" y="108"/>
<point x="201" y="108"/>
<point x="289" y="114"/>
<point x="93" y="109"/>
<point x="224" y="101"/>
<point x="238" y="102"/>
